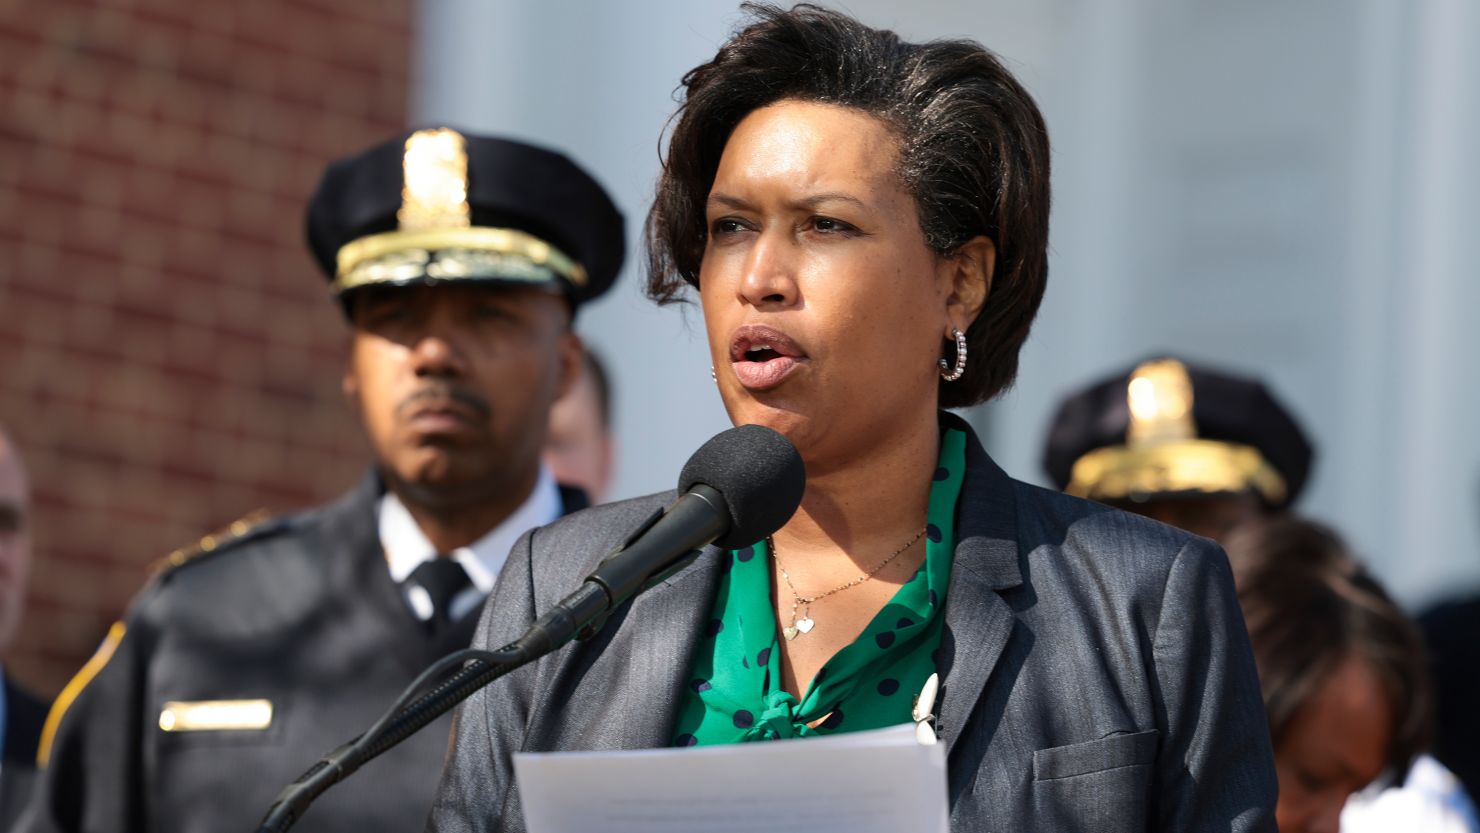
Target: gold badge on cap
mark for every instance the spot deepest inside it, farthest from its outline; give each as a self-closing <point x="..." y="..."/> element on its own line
<point x="436" y="237"/>
<point x="1160" y="400"/>
<point x="1163" y="452"/>
<point x="435" y="194"/>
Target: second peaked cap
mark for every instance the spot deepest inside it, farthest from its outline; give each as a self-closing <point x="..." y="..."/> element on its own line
<point x="1167" y="428"/>
<point x="439" y="206"/>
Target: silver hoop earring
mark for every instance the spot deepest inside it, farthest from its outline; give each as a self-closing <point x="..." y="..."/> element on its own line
<point x="713" y="377"/>
<point x="949" y="373"/>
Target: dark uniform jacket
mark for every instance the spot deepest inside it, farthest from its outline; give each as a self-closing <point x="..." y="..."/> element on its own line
<point x="300" y="612"/>
<point x="1450" y="630"/>
<point x="1096" y="673"/>
<point x="24" y="716"/>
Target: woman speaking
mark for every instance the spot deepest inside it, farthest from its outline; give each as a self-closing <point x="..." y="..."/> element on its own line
<point x="865" y="222"/>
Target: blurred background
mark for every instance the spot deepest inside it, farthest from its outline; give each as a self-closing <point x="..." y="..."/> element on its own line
<point x="1286" y="190"/>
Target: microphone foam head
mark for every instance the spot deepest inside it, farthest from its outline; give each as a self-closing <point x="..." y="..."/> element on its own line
<point x="759" y="473"/>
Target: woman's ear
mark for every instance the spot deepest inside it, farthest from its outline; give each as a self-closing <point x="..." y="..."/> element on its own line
<point x="972" y="267"/>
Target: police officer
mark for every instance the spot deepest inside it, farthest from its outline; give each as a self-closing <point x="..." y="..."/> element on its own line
<point x="459" y="262"/>
<point x="580" y="448"/>
<point x="1191" y="446"/>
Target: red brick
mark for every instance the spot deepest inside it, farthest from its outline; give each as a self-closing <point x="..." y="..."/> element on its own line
<point x="175" y="359"/>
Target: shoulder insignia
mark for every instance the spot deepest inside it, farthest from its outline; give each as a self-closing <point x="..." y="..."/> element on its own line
<point x="245" y="527"/>
<point x="74" y="688"/>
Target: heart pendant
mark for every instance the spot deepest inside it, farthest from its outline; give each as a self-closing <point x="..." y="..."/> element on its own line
<point x="789" y="633"/>
<point x="805" y="625"/>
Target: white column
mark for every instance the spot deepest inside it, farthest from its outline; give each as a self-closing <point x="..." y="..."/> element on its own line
<point x="1436" y="386"/>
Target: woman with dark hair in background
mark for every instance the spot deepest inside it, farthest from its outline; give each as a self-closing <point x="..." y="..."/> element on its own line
<point x="1345" y="686"/>
<point x="865" y="222"/>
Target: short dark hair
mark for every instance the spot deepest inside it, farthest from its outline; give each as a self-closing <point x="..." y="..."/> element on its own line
<point x="1309" y="606"/>
<point x="973" y="153"/>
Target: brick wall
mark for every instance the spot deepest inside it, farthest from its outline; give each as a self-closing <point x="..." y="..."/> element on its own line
<point x="169" y="358"/>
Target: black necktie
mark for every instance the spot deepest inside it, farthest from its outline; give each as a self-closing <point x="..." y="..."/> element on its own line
<point x="442" y="578"/>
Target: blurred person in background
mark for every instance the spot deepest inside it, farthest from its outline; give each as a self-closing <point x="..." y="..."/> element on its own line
<point x="1345" y="685"/>
<point x="580" y="448"/>
<point x="21" y="713"/>
<point x="1451" y="629"/>
<point x="459" y="262"/>
<point x="1209" y="451"/>
<point x="1191" y="446"/>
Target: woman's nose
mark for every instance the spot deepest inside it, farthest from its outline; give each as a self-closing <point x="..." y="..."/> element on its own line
<point x="769" y="279"/>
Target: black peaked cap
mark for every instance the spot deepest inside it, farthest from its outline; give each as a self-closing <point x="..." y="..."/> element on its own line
<point x="1226" y="407"/>
<point x="510" y="184"/>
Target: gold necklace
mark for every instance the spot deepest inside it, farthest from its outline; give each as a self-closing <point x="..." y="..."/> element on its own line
<point x="803" y="604"/>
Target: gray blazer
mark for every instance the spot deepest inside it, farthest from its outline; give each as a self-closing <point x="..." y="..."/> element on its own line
<point x="1096" y="671"/>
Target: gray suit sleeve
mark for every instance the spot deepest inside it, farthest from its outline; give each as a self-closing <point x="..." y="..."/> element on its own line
<point x="477" y="789"/>
<point x="1215" y="770"/>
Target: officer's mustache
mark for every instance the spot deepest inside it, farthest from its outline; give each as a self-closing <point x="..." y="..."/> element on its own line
<point x="443" y="391"/>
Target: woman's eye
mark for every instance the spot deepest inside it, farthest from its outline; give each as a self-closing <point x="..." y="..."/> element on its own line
<point x="727" y="225"/>
<point x="828" y="224"/>
<point x="1309" y="781"/>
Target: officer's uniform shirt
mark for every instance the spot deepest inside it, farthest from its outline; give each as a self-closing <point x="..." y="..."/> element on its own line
<point x="406" y="547"/>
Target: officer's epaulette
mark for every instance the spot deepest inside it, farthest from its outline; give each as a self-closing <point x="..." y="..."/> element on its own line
<point x="250" y="526"/>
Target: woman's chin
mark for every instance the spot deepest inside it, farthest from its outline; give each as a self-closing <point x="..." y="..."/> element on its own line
<point x="745" y="409"/>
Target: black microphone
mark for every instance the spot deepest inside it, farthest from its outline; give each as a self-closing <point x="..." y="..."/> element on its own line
<point x="738" y="488"/>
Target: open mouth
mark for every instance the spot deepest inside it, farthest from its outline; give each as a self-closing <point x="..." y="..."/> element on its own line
<point x="762" y="357"/>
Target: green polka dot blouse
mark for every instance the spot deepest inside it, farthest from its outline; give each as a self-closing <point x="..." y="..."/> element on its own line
<point x="734" y="689"/>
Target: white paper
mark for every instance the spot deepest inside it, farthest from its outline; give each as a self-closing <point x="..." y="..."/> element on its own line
<point x="881" y="781"/>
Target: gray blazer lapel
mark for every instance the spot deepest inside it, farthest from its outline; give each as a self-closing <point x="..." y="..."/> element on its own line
<point x="978" y="620"/>
<point x="978" y="624"/>
<point x="669" y="621"/>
